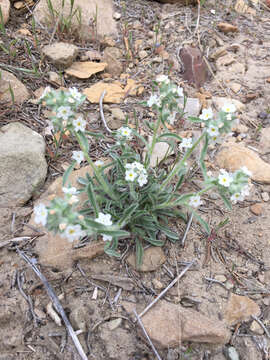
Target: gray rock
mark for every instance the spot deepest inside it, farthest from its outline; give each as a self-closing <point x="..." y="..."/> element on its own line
<point x="60" y="53"/>
<point x="117" y="113"/>
<point x="193" y="107"/>
<point x="85" y="23"/>
<point x="23" y="166"/>
<point x="112" y="56"/>
<point x="20" y="92"/>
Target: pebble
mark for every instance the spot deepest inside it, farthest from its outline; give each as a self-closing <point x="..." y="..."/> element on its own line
<point x="114" y="324"/>
<point x="117" y="16"/>
<point x="265" y="196"/>
<point x="256" y="328"/>
<point x="220" y="278"/>
<point x="142" y="54"/>
<point x="256" y="209"/>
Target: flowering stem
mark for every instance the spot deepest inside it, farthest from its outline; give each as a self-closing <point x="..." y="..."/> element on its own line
<point x="153" y="143"/>
<point x="105" y="186"/>
<point x="176" y="169"/>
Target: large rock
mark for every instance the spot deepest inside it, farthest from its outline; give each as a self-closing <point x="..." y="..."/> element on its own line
<point x="169" y="324"/>
<point x="23" y="167"/>
<point x="5" y="8"/>
<point x="240" y="308"/>
<point x="55" y="250"/>
<point x="112" y="56"/>
<point x="60" y="53"/>
<point x="233" y="156"/>
<point x="89" y="10"/>
<point x="7" y="81"/>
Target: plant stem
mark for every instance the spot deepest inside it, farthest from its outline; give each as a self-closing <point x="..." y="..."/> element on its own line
<point x="153" y="143"/>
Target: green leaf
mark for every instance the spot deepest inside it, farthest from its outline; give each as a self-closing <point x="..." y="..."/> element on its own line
<point x="92" y="198"/>
<point x="139" y="253"/>
<point x="202" y="222"/>
<point x="83" y="141"/>
<point x="82" y="181"/>
<point x="226" y="201"/>
<point x="115" y="233"/>
<point x="194" y="119"/>
<point x="140" y="137"/>
<point x="170" y="135"/>
<point x="154" y="242"/>
<point x="68" y="171"/>
<point x="94" y="134"/>
<point x="203" y="153"/>
<point x="170" y="234"/>
<point x="127" y="214"/>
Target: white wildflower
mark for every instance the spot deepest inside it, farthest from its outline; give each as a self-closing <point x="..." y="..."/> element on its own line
<point x="78" y="156"/>
<point x="229" y="117"/>
<point x="73" y="232"/>
<point x="70" y="190"/>
<point x="41" y="214"/>
<point x="195" y="201"/>
<point x="99" y="163"/>
<point x="213" y="131"/>
<point x="229" y="108"/>
<point x="153" y="100"/>
<point x="225" y="179"/>
<point x="180" y="91"/>
<point x="245" y="191"/>
<point x="206" y="114"/>
<point x="246" y="171"/>
<point x="186" y="143"/>
<point x="213" y="11"/>
<point x="162" y="78"/>
<point x="104" y="219"/>
<point x="236" y="197"/>
<point x="130" y="175"/>
<point x="75" y="93"/>
<point x="64" y="112"/>
<point x="62" y="226"/>
<point x="142" y="179"/>
<point x="79" y="124"/>
<point x="73" y="199"/>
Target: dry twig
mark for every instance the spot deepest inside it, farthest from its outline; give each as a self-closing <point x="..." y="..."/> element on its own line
<point x="102" y="113"/>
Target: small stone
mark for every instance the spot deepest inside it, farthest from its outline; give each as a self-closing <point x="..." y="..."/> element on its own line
<point x="231" y="353"/>
<point x="221" y="278"/>
<point x="157" y="284"/>
<point x="93" y="55"/>
<point x="61" y="54"/>
<point x="263" y="115"/>
<point x="265" y="196"/>
<point x="114" y="324"/>
<point x="117" y="113"/>
<point x="240" y="308"/>
<point x="256" y="209"/>
<point x="54" y="77"/>
<point x="240" y="128"/>
<point x="265" y="140"/>
<point x="142" y="54"/>
<point x="112" y="56"/>
<point x="229" y="285"/>
<point x="235" y="87"/>
<point x="256" y="328"/>
<point x="20" y="92"/>
<point x="117" y="16"/>
<point x="225" y="61"/>
<point x="153" y="258"/>
<point x="193" y="106"/>
<point x="227" y="28"/>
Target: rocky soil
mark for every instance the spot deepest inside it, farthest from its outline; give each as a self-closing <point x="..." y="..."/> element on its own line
<point x="220" y="308"/>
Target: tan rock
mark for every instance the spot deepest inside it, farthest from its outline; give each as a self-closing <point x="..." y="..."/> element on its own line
<point x="85" y="69"/>
<point x="133" y="88"/>
<point x="19" y="91"/>
<point x="225" y="60"/>
<point x="60" y="53"/>
<point x="5" y="8"/>
<point x="117" y="113"/>
<point x="153" y="258"/>
<point x="256" y="209"/>
<point x="114" y="93"/>
<point x="169" y="324"/>
<point x="112" y="56"/>
<point x="233" y="156"/>
<point x="235" y="87"/>
<point x="265" y="140"/>
<point x="95" y="16"/>
<point x="227" y="28"/>
<point x="256" y="328"/>
<point x="240" y="308"/>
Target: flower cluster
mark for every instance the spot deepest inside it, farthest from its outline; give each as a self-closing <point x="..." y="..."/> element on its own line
<point x="136" y="171"/>
<point x="219" y="125"/>
<point x="167" y="100"/>
<point x="104" y="219"/>
<point x="64" y="105"/>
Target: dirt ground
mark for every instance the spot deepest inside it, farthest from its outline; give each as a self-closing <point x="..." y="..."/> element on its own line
<point x="240" y="252"/>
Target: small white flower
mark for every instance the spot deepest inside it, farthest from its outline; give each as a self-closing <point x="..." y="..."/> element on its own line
<point x="225" y="179"/>
<point x="73" y="232"/>
<point x="229" y="117"/>
<point x="45" y="92"/>
<point x="41" y="214"/>
<point x="246" y="171"/>
<point x="75" y="93"/>
<point x="195" y="201"/>
<point x="171" y="118"/>
<point x="138" y="166"/>
<point x="125" y="131"/>
<point x="229" y="108"/>
<point x="186" y="143"/>
<point x="142" y="179"/>
<point x="78" y="156"/>
<point x="153" y="100"/>
<point x="64" y="112"/>
<point x="73" y="199"/>
<point x="71" y="190"/>
<point x="62" y="226"/>
<point x="130" y="175"/>
<point x="213" y="11"/>
<point x="213" y="131"/>
<point x="99" y="163"/>
<point x="206" y="114"/>
<point x="107" y="237"/>
<point x="79" y="124"/>
<point x="162" y="78"/>
<point x="104" y="219"/>
<point x="236" y="197"/>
